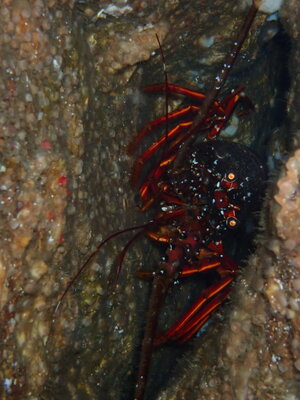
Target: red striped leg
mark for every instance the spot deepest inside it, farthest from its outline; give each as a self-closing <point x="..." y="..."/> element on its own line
<point x="234" y="92"/>
<point x="192" y="94"/>
<point x="223" y="264"/>
<point x="182" y="112"/>
<point x="228" y="104"/>
<point x="176" y="137"/>
<point x="198" y="314"/>
<point x="182" y="132"/>
<point x="198" y="321"/>
<point x="188" y="111"/>
<point x="175" y="89"/>
<point x="204" y="266"/>
<point x="153" y="186"/>
<point x="147" y="154"/>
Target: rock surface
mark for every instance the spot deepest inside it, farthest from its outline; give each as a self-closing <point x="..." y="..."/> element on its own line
<point x="71" y="74"/>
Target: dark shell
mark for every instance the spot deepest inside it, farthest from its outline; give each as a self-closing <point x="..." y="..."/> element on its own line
<point x="201" y="175"/>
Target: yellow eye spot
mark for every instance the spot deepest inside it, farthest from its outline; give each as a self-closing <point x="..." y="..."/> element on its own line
<point x="232" y="222"/>
<point x="231" y="176"/>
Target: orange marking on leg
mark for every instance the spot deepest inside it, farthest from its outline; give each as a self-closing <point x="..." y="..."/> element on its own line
<point x="198" y="321"/>
<point x="158" y="237"/>
<point x="175" y="89"/>
<point x="203" y="267"/>
<point x="158" y="122"/>
<point x="147" y="154"/>
<point x="212" y="291"/>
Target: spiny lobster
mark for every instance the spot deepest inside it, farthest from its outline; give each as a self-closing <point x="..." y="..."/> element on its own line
<point x="199" y="188"/>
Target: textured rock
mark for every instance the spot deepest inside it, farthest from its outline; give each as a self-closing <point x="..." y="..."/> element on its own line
<point x="70" y="85"/>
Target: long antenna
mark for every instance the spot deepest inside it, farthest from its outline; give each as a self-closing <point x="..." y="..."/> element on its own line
<point x="166" y="101"/>
<point x="92" y="255"/>
<point x="160" y="283"/>
<point x="166" y="85"/>
<point x="220" y="79"/>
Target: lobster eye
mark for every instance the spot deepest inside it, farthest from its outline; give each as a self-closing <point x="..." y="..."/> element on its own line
<point x="230" y="176"/>
<point x="232" y="222"/>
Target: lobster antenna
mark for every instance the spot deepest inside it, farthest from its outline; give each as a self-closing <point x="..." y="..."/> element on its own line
<point x="92" y="255"/>
<point x="220" y="79"/>
<point x="123" y="253"/>
<point x="166" y="97"/>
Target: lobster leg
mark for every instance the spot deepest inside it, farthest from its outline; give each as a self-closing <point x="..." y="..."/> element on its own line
<point x="225" y="109"/>
<point x="229" y="104"/>
<point x="175" y="89"/>
<point x="147" y="154"/>
<point x="186" y="271"/>
<point x="197" y="322"/>
<point x="172" y="116"/>
<point x="150" y="191"/>
<point x="197" y="315"/>
<point x="205" y="265"/>
<point x="188" y="325"/>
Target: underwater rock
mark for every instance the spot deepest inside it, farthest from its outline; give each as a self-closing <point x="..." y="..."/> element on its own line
<point x="71" y="102"/>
